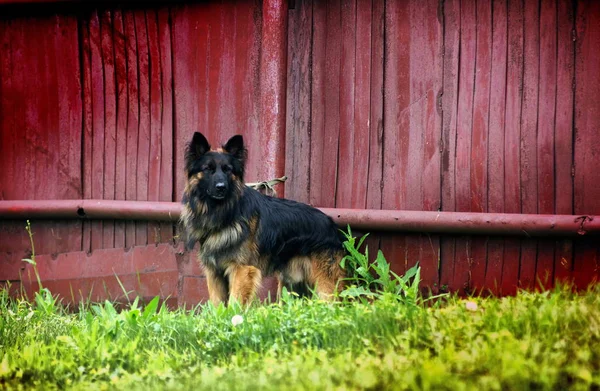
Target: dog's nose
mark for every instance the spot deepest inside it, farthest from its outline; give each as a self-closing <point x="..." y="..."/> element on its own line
<point x="220" y="186"/>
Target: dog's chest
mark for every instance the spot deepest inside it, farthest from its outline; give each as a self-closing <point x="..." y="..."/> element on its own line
<point x="220" y="245"/>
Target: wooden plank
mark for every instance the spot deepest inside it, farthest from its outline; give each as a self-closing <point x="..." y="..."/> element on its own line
<point x="512" y="140"/>
<point x="496" y="164"/>
<point x="480" y="137"/>
<point x="317" y="112"/>
<point x="545" y="136"/>
<point x="87" y="128"/>
<point x="425" y="129"/>
<point x="8" y="139"/>
<point x="166" y="165"/>
<point x="449" y="106"/>
<point x="298" y="124"/>
<point x="587" y="108"/>
<point x="121" y="179"/>
<point x="529" y="130"/>
<point x="347" y="85"/>
<point x="587" y="137"/>
<point x="44" y="108"/>
<point x="362" y="104"/>
<point x="69" y="128"/>
<point x="238" y="24"/>
<point x="563" y="132"/>
<point x="331" y="134"/>
<point x="464" y="129"/>
<point x="481" y="108"/>
<point x="214" y="82"/>
<point x="131" y="170"/>
<point x="397" y="126"/>
<point x="191" y="69"/>
<point x="252" y="74"/>
<point x="97" y="96"/>
<point x="375" y="164"/>
<point x="396" y="90"/>
<point x="155" y="151"/>
<point x="24" y="125"/>
<point x="143" y="148"/>
<point x="225" y="106"/>
<point x="110" y="122"/>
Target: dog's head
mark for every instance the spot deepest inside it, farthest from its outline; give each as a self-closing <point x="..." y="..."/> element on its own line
<point x="214" y="175"/>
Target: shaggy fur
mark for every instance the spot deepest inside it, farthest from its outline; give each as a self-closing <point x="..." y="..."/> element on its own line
<point x="245" y="235"/>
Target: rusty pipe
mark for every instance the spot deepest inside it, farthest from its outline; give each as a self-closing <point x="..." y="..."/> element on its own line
<point x="362" y="219"/>
<point x="90" y="209"/>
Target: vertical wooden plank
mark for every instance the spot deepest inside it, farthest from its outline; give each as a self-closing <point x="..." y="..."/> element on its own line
<point x="397" y="124"/>
<point x="155" y="151"/>
<point x="143" y="150"/>
<point x="375" y="175"/>
<point x="375" y="163"/>
<point x="362" y="104"/>
<point x="347" y="83"/>
<point x="514" y="84"/>
<point x="166" y="165"/>
<point x="529" y="129"/>
<point x="7" y="138"/>
<point x="425" y="129"/>
<point x="480" y="137"/>
<point x="46" y="131"/>
<point x="496" y="164"/>
<point x="69" y="124"/>
<point x="298" y="125"/>
<point x="21" y="155"/>
<point x="512" y="137"/>
<point x="190" y="80"/>
<point x="10" y="253"/>
<point x="452" y="28"/>
<point x="587" y="108"/>
<point x="226" y="110"/>
<point x="331" y="134"/>
<point x="317" y="112"/>
<point x="587" y="136"/>
<point x="545" y="138"/>
<point x="131" y="171"/>
<point x="481" y="107"/>
<point x="87" y="127"/>
<point x="120" y="54"/>
<point x="563" y="133"/>
<point x="249" y="51"/>
<point x="97" y="96"/>
<point x="464" y="122"/>
<point x="244" y="53"/>
<point x="110" y="122"/>
<point x="214" y="81"/>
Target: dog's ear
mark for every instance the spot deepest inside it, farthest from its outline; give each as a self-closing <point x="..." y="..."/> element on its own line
<point x="235" y="147"/>
<point x="195" y="149"/>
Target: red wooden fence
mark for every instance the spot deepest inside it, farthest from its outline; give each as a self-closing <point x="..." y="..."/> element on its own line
<point x="456" y="106"/>
<point x="484" y="106"/>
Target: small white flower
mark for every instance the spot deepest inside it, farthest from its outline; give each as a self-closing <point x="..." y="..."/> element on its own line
<point x="237" y="320"/>
<point x="471" y="306"/>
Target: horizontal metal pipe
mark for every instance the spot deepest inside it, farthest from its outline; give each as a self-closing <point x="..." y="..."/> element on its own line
<point x="362" y="219"/>
<point x="90" y="209"/>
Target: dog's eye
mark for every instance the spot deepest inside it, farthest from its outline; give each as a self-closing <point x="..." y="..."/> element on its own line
<point x="227" y="168"/>
<point x="206" y="168"/>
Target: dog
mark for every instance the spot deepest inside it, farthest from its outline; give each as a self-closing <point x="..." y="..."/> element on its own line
<point x="244" y="235"/>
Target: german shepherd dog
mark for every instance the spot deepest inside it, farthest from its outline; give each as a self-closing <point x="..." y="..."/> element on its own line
<point x="245" y="235"/>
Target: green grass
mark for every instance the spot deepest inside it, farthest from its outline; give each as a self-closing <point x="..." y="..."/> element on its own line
<point x="382" y="334"/>
<point x="532" y="341"/>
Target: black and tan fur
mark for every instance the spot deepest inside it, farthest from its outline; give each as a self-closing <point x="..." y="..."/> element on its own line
<point x="245" y="235"/>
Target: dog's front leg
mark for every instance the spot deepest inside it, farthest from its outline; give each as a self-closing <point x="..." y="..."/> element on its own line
<point x="218" y="286"/>
<point x="243" y="282"/>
